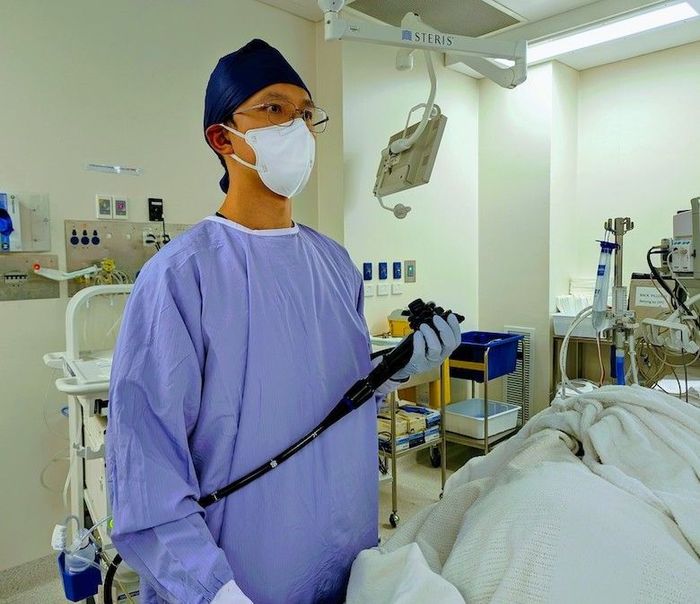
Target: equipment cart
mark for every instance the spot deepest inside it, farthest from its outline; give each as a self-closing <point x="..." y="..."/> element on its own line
<point x="481" y="358"/>
<point x="436" y="443"/>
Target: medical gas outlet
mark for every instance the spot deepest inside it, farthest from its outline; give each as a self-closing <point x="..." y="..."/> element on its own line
<point x="84" y="237"/>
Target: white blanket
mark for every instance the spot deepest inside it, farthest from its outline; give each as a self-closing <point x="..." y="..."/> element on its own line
<point x="531" y="522"/>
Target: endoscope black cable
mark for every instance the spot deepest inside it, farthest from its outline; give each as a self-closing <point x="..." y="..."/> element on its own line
<point x="362" y="391"/>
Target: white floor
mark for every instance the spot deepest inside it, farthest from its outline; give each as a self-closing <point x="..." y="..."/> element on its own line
<point x="418" y="486"/>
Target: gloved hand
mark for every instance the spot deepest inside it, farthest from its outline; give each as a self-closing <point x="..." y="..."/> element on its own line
<point x="432" y="344"/>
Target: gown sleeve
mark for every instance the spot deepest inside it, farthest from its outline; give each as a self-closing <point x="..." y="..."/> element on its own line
<point x="155" y="393"/>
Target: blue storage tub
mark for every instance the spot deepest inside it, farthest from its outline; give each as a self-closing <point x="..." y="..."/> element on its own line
<point x="503" y="354"/>
<point x="79" y="586"/>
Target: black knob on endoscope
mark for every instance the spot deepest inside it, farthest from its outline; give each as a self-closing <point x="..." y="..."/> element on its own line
<point x="421" y="312"/>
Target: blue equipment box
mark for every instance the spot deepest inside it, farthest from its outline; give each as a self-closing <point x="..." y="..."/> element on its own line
<point x="402" y="443"/>
<point x="415" y="440"/>
<point x="79" y="586"/>
<point x="432" y="434"/>
<point x="408" y="441"/>
<point x="503" y="354"/>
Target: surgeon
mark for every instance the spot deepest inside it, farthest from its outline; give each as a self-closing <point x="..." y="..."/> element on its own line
<point x="239" y="337"/>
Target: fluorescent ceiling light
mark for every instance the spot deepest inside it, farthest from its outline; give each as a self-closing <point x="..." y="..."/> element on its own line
<point x="606" y="32"/>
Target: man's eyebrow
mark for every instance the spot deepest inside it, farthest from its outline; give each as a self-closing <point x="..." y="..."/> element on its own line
<point x="277" y="96"/>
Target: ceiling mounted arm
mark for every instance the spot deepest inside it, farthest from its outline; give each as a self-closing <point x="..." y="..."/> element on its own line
<point x="416" y="35"/>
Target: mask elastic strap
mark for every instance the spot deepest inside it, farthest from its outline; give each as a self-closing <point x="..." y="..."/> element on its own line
<point x="233" y="155"/>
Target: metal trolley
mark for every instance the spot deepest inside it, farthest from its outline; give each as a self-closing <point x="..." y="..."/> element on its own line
<point x="438" y="454"/>
<point x="488" y="357"/>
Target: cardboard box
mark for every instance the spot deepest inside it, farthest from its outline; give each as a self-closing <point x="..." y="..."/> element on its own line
<point x="645" y="299"/>
<point x="414" y="421"/>
<point x="384" y="425"/>
<point x="431" y="416"/>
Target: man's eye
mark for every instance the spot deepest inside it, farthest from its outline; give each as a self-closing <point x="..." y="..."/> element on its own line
<point x="274" y="108"/>
<point x="308" y="115"/>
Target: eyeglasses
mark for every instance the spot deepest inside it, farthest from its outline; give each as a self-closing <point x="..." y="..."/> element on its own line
<point x="283" y="113"/>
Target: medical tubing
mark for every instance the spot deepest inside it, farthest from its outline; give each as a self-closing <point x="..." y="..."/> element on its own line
<point x="359" y="393"/>
<point x="565" y="382"/>
<point x="662" y="282"/>
<point x="109" y="579"/>
<point x="633" y="359"/>
<point x="620" y="367"/>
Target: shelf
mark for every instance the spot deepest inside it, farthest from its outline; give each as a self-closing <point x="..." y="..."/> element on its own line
<point x="478" y="443"/>
<point x="399" y="454"/>
<point x="583" y="339"/>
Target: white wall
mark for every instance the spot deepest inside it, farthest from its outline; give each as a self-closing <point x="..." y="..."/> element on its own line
<point x="515" y="146"/>
<point x="329" y="146"/>
<point x="441" y="232"/>
<point x="639" y="150"/>
<point x="564" y="167"/>
<point x="119" y="81"/>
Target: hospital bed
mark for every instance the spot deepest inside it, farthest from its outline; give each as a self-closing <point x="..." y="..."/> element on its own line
<point x="595" y="500"/>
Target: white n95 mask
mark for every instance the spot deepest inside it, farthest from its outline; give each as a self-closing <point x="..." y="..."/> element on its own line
<point x="284" y="155"/>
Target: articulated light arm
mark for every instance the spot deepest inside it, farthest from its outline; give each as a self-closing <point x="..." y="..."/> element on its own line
<point x="416" y="35"/>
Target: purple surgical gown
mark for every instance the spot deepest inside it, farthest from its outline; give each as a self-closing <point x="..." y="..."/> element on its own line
<point x="234" y="344"/>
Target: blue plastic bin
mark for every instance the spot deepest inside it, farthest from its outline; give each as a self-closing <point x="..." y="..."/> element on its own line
<point x="503" y="354"/>
<point x="81" y="585"/>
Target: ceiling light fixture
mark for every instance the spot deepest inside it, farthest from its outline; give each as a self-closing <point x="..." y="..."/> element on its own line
<point x="607" y="31"/>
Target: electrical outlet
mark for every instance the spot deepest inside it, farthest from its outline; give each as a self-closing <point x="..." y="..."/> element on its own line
<point x="16" y="278"/>
<point x="396" y="289"/>
<point x="409" y="271"/>
<point x="149" y="238"/>
<point x="370" y="290"/>
<point x="155" y="209"/>
<point x="383" y="289"/>
<point x="121" y="207"/>
<point x="104" y="207"/>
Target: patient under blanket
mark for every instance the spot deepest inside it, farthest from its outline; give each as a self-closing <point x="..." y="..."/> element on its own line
<point x="533" y="522"/>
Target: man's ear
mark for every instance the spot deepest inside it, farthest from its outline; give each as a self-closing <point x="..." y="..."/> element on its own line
<point x="219" y="139"/>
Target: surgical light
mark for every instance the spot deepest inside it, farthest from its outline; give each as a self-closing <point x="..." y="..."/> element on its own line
<point x="606" y="32"/>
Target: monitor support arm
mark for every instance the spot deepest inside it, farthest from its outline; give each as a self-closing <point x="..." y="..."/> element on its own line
<point x="416" y="35"/>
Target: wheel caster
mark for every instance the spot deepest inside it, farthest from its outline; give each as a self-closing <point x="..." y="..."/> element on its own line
<point x="435" y="457"/>
<point x="394" y="520"/>
<point x="442" y="494"/>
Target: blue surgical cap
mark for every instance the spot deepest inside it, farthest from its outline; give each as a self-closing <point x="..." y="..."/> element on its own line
<point x="238" y="76"/>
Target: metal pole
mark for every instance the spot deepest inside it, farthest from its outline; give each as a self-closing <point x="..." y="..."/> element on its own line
<point x="443" y="444"/>
<point x="618" y="251"/>
<point x="486" y="401"/>
<point x="394" y="487"/>
<point x="75" y="435"/>
<point x="522" y="377"/>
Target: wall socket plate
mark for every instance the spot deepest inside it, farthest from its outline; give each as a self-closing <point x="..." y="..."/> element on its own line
<point x="409" y="271"/>
<point x="104" y="207"/>
<point x="121" y="207"/>
<point x="155" y="209"/>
